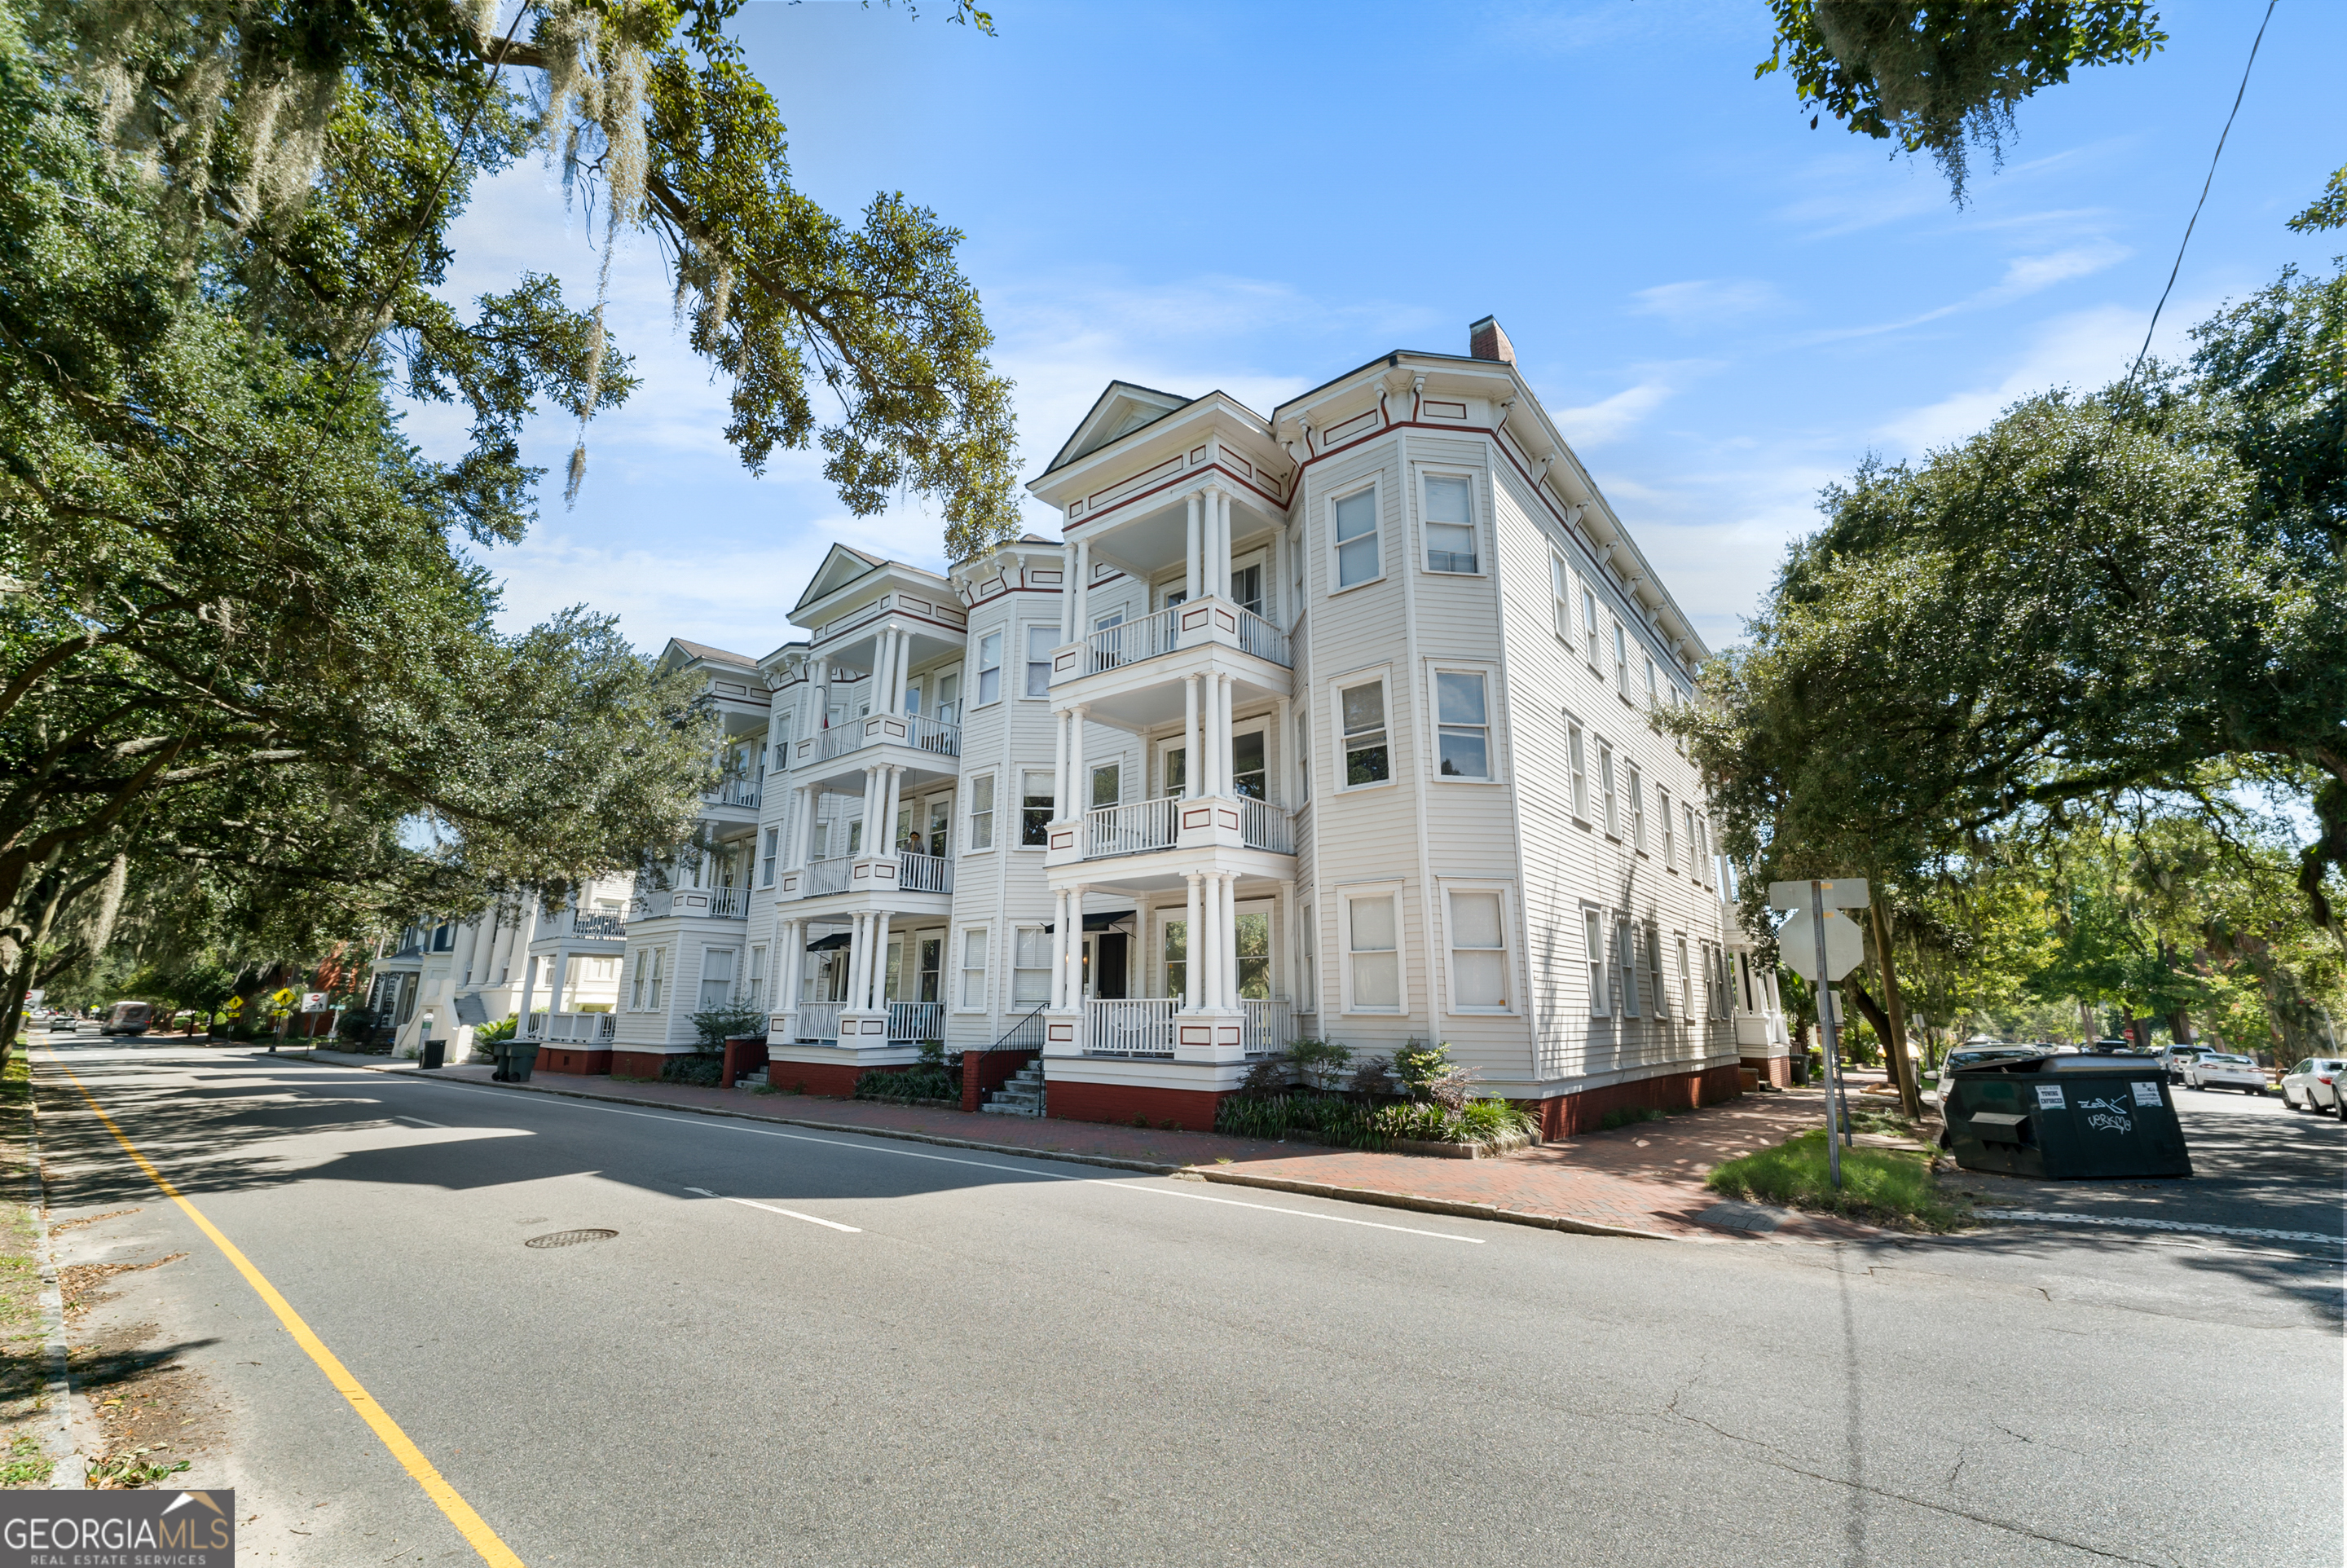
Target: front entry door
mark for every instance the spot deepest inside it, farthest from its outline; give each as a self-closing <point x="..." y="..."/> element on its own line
<point x="1107" y="959"/>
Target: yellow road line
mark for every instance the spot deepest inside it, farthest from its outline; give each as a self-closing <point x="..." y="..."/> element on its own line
<point x="469" y="1524"/>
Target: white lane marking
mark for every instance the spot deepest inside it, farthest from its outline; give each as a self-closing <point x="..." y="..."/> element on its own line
<point x="2130" y="1221"/>
<point x="789" y="1214"/>
<point x="419" y="1121"/>
<point x="876" y="1147"/>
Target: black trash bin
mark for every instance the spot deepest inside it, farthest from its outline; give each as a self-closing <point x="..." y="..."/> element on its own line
<point x="435" y="1055"/>
<point x="2064" y="1117"/>
<point x="517" y="1057"/>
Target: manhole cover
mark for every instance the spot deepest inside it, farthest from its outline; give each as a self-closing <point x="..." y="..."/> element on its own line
<point x="568" y="1238"/>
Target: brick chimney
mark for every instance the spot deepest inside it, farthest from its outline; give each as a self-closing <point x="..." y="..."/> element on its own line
<point x="1486" y="340"/>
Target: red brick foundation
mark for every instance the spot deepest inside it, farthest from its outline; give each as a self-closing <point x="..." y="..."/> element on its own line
<point x="984" y="1071"/>
<point x="743" y="1056"/>
<point x="835" y="1079"/>
<point x="1776" y="1070"/>
<point x="1191" y="1110"/>
<point x="560" y="1058"/>
<point x="1586" y="1111"/>
<point x="635" y="1063"/>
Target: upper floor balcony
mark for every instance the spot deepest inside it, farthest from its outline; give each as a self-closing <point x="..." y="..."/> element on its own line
<point x="935" y="738"/>
<point x="703" y="903"/>
<point x="1147" y="827"/>
<point x="904" y="872"/>
<point x="1204" y="623"/>
<point x="734" y="790"/>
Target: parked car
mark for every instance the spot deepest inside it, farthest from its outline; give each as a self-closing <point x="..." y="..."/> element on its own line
<point x="2225" y="1070"/>
<point x="128" y="1018"/>
<point x="63" y="1022"/>
<point x="2172" y="1059"/>
<point x="2313" y="1084"/>
<point x="1973" y="1055"/>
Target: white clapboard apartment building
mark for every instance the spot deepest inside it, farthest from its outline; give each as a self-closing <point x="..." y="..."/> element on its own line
<point x="1334" y="722"/>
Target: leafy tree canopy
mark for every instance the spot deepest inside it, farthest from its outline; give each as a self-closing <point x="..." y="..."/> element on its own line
<point x="1942" y="76"/>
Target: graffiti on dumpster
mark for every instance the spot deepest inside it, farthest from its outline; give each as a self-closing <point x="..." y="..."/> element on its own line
<point x="2107" y="1115"/>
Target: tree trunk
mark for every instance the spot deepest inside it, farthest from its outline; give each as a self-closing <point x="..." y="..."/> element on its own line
<point x="2179" y="1024"/>
<point x="1894" y="1045"/>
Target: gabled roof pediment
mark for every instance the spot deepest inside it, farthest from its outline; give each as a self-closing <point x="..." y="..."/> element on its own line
<point x="840" y="568"/>
<point x="1121" y="410"/>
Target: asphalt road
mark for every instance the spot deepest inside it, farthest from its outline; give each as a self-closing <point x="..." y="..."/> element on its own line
<point x="1019" y="1361"/>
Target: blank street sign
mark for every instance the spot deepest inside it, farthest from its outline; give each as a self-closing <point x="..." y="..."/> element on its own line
<point x="1841" y="893"/>
<point x="1797" y="945"/>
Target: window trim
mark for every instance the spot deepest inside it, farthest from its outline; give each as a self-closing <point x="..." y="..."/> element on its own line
<point x="1474" y="525"/>
<point x="1013" y="999"/>
<point x="1593" y="936"/>
<point x="1625" y="962"/>
<point x="1561" y="585"/>
<point x="1375" y="486"/>
<point x="1020" y="845"/>
<point x="1489" y="675"/>
<point x="985" y="934"/>
<point x="1346" y="895"/>
<point x="1382" y="676"/>
<point x="1670" y="838"/>
<point x="1507" y="950"/>
<point x="1576" y="762"/>
<point x="1608" y="792"/>
<point x="970" y="813"/>
<point x="1028" y="661"/>
<point x="1637" y="783"/>
<point x="1001" y="636"/>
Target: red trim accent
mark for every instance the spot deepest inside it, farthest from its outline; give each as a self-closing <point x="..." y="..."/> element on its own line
<point x="1185" y="476"/>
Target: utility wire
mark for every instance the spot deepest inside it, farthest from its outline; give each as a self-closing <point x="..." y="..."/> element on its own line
<point x="2205" y="184"/>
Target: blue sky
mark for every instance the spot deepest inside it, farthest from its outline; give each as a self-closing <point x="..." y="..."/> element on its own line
<point x="1723" y="309"/>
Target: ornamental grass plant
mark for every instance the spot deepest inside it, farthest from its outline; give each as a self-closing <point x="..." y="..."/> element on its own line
<point x="1881" y="1186"/>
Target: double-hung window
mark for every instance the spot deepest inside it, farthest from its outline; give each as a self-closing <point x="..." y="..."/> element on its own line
<point x="754" y="992"/>
<point x="1108" y="786"/>
<point x="773" y="842"/>
<point x="1687" y="982"/>
<point x="982" y="813"/>
<point x="1373" y="951"/>
<point x="1478" y="955"/>
<point x="1461" y="722"/>
<point x="1031" y="966"/>
<point x="1670" y="840"/>
<point x="1035" y="805"/>
<point x="1367" y="758"/>
<point x="1449" y="523"/>
<point x="1593" y="935"/>
<point x="1589" y="623"/>
<point x="1653" y="692"/>
<point x="1039" y="642"/>
<point x="1625" y="959"/>
<point x="1576" y="756"/>
<point x="989" y="668"/>
<point x="1654" y="987"/>
<point x="1356" y="529"/>
<point x="1621" y="659"/>
<point x="1638" y="810"/>
<point x="1560" y="588"/>
<point x="1686" y="821"/>
<point x="973" y="968"/>
<point x="1702" y="850"/>
<point x="1606" y="791"/>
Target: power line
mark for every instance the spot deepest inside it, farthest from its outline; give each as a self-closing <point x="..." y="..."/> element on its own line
<point x="2205" y="184"/>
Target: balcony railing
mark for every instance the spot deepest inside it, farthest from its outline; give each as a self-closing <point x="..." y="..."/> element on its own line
<point x="924" y="873"/>
<point x="1270" y="1025"/>
<point x="593" y="1029"/>
<point x="718" y="902"/>
<point x="599" y="925"/>
<point x="826" y="875"/>
<point x="1115" y="647"/>
<point x="820" y="1021"/>
<point x="920" y="732"/>
<point x="933" y="735"/>
<point x="1264" y="641"/>
<point x="839" y="740"/>
<point x="916" y="1021"/>
<point x="729" y="903"/>
<point x="734" y="791"/>
<point x="1131" y="1027"/>
<point x="1263" y="825"/>
<point x="1136" y="829"/>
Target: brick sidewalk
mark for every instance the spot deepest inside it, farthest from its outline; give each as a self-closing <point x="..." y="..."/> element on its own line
<point x="1645" y="1180"/>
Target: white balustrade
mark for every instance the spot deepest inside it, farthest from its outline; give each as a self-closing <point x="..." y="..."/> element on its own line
<point x="933" y="735"/>
<point x="924" y="873"/>
<point x="916" y="1021"/>
<point x="1114" y="647"/>
<point x="1268" y="1025"/>
<point x="534" y="1026"/>
<point x="1264" y="641"/>
<point x="826" y="875"/>
<point x="1263" y="825"/>
<point x="729" y="903"/>
<point x="1129" y="1026"/>
<point x="577" y="1027"/>
<point x="1135" y="829"/>
<point x="820" y="1021"/>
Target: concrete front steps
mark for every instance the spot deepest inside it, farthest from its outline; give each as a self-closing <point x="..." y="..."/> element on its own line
<point x="1021" y="1096"/>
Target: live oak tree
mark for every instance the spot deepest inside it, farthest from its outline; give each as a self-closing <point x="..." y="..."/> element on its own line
<point x="241" y="639"/>
<point x="1942" y="77"/>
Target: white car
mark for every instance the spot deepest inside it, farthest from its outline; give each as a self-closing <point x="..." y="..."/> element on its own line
<point x="2225" y="1070"/>
<point x="2174" y="1058"/>
<point x="2313" y="1084"/>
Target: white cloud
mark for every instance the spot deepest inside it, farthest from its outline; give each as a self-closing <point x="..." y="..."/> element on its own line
<point x="1595" y="424"/>
<point x="2028" y="274"/>
<point x="2086" y="349"/>
<point x="1708" y="303"/>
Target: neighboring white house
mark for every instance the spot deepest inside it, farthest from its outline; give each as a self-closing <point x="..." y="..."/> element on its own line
<point x="1332" y="724"/>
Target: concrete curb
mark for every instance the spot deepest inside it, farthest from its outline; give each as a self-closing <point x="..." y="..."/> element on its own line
<point x="69" y="1470"/>
<point x="1222" y="1174"/>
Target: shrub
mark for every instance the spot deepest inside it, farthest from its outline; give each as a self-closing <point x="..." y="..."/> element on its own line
<point x="715" y="1026"/>
<point x="1629" y="1117"/>
<point x="1318" y="1063"/>
<point x="1268" y="1075"/>
<point x="1375" y="1079"/>
<point x="489" y="1034"/>
<point x="698" y="1068"/>
<point x="1483" y="1121"/>
<point x="356" y="1023"/>
<point x="1415" y="1064"/>
<point x="1885" y="1185"/>
<point x="1355" y="1123"/>
<point x="928" y="1080"/>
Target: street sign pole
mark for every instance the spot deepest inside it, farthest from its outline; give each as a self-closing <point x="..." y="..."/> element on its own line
<point x="1834" y="1116"/>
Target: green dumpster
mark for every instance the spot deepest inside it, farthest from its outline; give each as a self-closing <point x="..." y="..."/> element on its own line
<point x="2064" y="1117"/>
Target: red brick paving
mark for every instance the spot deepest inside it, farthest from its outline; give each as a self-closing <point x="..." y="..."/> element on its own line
<point x="1646" y="1178"/>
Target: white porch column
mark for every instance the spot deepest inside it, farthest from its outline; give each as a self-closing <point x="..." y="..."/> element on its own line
<point x="1075" y="953"/>
<point x="821" y="717"/>
<point x="871" y="804"/>
<point x="1079" y="789"/>
<point x="1231" y="940"/>
<point x="884" y="647"/>
<point x="1059" y="950"/>
<point x="1280" y="783"/>
<point x="500" y="955"/>
<point x="904" y="669"/>
<point x="1190" y="950"/>
<point x="1208" y="501"/>
<point x="1067" y="592"/>
<point x="790" y="948"/>
<point x="562" y="967"/>
<point x="1225" y="689"/>
<point x="1062" y="796"/>
<point x="896" y="792"/>
<point x="1206" y="942"/>
<point x="1190" y="582"/>
<point x="469" y="957"/>
<point x="1222" y="545"/>
<point x="860" y="962"/>
<point x="880" y="962"/>
<point x="1083" y="590"/>
<point x="1190" y="780"/>
<point x="528" y="985"/>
